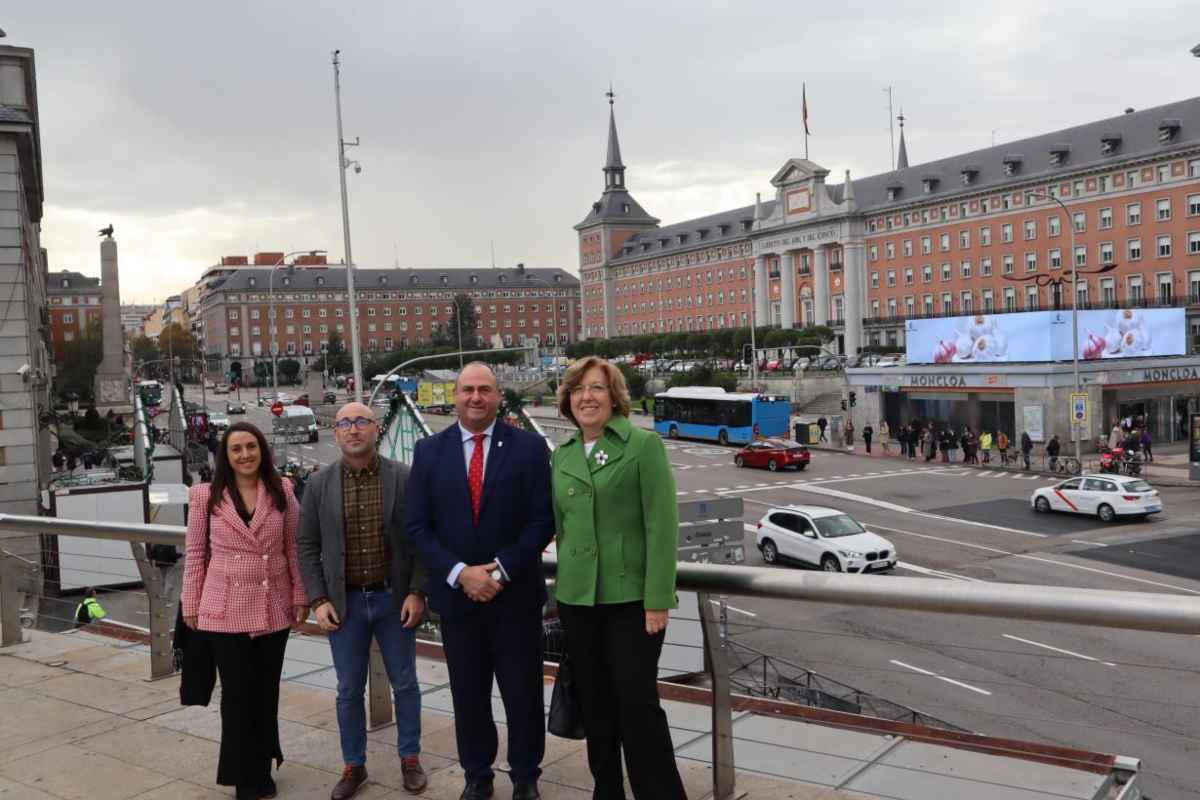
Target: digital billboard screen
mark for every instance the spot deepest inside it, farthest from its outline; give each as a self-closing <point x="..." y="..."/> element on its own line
<point x="1046" y="336"/>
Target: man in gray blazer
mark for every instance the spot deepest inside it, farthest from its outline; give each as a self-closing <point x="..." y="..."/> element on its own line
<point x="359" y="564"/>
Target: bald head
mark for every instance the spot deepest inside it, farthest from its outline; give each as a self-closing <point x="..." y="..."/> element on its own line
<point x="357" y="439"/>
<point x="476" y="397"/>
<point x="475" y="371"/>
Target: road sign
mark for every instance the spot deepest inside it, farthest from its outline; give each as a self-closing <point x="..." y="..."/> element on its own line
<point x="1079" y="408"/>
<point x="277" y="408"/>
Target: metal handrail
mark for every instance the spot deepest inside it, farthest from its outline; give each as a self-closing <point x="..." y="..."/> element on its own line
<point x="1103" y="608"/>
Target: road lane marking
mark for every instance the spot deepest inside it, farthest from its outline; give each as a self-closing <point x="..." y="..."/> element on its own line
<point x="1057" y="649"/>
<point x="1090" y="544"/>
<point x="940" y="677"/>
<point x="721" y="489"/>
<point x="936" y="573"/>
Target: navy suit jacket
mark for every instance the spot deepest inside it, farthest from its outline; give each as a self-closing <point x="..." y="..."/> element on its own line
<point x="516" y="520"/>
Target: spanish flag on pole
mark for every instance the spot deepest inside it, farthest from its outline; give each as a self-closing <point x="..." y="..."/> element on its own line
<point x="804" y="104"/>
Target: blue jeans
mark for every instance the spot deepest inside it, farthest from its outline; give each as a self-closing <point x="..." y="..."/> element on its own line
<point x="375" y="614"/>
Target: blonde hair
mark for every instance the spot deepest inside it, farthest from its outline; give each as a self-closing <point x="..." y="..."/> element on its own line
<point x="574" y="376"/>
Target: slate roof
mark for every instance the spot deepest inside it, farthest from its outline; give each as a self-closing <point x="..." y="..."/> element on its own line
<point x="617" y="205"/>
<point x="1138" y="133"/>
<point x="691" y="228"/>
<point x="80" y="283"/>
<point x="334" y="279"/>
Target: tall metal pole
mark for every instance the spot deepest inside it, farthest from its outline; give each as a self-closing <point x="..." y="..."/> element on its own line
<point x="458" y="320"/>
<point x="753" y="347"/>
<point x="1074" y="329"/>
<point x="271" y="323"/>
<point x="356" y="357"/>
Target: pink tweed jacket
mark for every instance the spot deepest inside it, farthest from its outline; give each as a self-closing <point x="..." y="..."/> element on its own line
<point x="243" y="579"/>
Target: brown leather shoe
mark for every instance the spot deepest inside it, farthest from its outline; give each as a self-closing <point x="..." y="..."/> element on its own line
<point x="352" y="778"/>
<point x="414" y="776"/>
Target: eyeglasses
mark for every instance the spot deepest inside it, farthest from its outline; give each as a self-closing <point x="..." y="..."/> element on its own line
<point x="346" y="423"/>
<point x="591" y="388"/>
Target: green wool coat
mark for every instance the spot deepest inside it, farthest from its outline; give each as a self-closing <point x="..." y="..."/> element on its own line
<point x="616" y="520"/>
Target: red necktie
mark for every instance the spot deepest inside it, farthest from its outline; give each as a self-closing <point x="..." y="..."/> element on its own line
<point x="475" y="476"/>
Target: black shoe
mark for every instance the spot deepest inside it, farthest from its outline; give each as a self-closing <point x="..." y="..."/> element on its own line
<point x="267" y="788"/>
<point x="246" y="793"/>
<point x="477" y="790"/>
<point x="526" y="791"/>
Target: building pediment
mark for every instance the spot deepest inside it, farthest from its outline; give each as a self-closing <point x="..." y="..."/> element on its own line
<point x="798" y="170"/>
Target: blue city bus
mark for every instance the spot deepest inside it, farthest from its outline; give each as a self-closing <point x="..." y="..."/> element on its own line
<point x="707" y="412"/>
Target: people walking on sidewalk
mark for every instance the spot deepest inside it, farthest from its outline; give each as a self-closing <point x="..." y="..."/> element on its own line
<point x="1026" y="446"/>
<point x="867" y="433"/>
<point x="985" y="446"/>
<point x="1115" y="436"/>
<point x="822" y="423"/>
<point x="1002" y="446"/>
<point x="967" y="441"/>
<point x="884" y="433"/>
<point x="902" y="437"/>
<point x="931" y="440"/>
<point x="848" y="433"/>
<point x="1146" y="441"/>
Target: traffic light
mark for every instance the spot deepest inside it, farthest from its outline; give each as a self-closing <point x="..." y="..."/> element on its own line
<point x="747" y="354"/>
<point x="852" y="399"/>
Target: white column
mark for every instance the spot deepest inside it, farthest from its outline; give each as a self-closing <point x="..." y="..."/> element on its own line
<point x="820" y="287"/>
<point x="852" y="255"/>
<point x="787" y="290"/>
<point x="762" y="292"/>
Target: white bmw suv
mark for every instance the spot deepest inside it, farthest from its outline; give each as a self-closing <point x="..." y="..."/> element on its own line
<point x="823" y="537"/>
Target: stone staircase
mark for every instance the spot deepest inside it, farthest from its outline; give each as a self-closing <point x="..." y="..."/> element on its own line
<point x="824" y="404"/>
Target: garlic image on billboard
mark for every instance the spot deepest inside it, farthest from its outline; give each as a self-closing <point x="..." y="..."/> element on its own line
<point x="1125" y="335"/>
<point x="976" y="339"/>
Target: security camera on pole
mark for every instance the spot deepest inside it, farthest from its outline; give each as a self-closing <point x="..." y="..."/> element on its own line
<point x="344" y="164"/>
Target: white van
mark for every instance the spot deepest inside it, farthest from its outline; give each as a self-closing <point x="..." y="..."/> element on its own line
<point x="296" y="423"/>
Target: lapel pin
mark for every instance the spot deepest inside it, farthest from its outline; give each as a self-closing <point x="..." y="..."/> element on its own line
<point x="499" y="444"/>
<point x="601" y="457"/>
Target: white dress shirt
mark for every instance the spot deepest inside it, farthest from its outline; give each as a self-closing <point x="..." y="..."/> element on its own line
<point x="468" y="443"/>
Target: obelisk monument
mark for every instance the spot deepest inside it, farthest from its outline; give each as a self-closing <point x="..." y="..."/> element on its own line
<point x="112" y="382"/>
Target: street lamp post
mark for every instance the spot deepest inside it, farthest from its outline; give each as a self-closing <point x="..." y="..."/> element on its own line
<point x="271" y="307"/>
<point x="343" y="165"/>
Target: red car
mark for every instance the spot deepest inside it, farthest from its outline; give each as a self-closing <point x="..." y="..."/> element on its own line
<point x="774" y="454"/>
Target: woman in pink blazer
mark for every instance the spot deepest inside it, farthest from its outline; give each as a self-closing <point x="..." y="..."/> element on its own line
<point x="242" y="587"/>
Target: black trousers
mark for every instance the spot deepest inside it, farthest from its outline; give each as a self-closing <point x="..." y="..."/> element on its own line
<point x="505" y="643"/>
<point x="616" y="672"/>
<point x="249" y="669"/>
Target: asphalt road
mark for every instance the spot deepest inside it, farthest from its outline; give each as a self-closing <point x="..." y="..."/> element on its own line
<point x="1129" y="693"/>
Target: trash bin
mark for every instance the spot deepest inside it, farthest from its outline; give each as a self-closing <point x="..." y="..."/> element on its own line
<point x="801" y="430"/>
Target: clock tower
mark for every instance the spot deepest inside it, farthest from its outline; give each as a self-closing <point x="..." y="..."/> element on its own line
<point x="613" y="218"/>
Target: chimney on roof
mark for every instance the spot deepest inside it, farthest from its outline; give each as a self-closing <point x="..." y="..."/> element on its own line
<point x="234" y="261"/>
<point x="267" y="259"/>
<point x="1129" y="110"/>
<point x="848" y="198"/>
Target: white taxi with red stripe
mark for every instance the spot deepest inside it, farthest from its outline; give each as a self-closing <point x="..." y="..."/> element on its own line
<point x="1104" y="496"/>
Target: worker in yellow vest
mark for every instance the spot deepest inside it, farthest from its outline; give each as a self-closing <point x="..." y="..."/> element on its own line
<point x="89" y="610"/>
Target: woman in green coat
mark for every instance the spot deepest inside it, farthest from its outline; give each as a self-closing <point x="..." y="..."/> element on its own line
<point x="617" y="541"/>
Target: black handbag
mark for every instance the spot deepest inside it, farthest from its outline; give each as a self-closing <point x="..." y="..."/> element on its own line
<point x="565" y="719"/>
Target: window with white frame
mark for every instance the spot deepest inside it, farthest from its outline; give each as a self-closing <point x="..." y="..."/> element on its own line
<point x="985" y="267"/>
<point x="1194" y="243"/>
<point x="944" y="242"/>
<point x="1162" y="208"/>
<point x="1104" y="219"/>
<point x="1133" y="249"/>
<point x="254" y="313"/>
<point x="927" y="273"/>
<point x="233" y="314"/>
<point x="891" y="278"/>
<point x="1108" y="292"/>
<point x="964" y="269"/>
<point x="1054" y="226"/>
<point x="906" y="248"/>
<point x="1080" y="221"/>
<point x="926" y="246"/>
<point x="1194" y="286"/>
<point x="945" y="272"/>
<point x="1107" y="255"/>
<point x="965" y="304"/>
<point x="1081" y="255"/>
<point x="891" y="308"/>
<point x="1006" y="232"/>
<point x="927" y="305"/>
<point x="1135" y="289"/>
<point x="1030" y="230"/>
<point x="255" y="330"/>
<point x="1031" y="262"/>
<point x="1006" y="265"/>
<point x="1081" y="292"/>
<point x="874" y="252"/>
<point x="235" y="331"/>
<point x="1054" y="257"/>
<point x="289" y="313"/>
<point x="1031" y="298"/>
<point x="1133" y="214"/>
<point x="964" y="240"/>
<point x="1165" y="282"/>
<point x="908" y="276"/>
<point x="875" y="309"/>
<point x="989" y="302"/>
<point x="889" y="249"/>
<point x="1193" y="203"/>
<point x="1162" y="246"/>
<point x="910" y="306"/>
<point x="1010" y="299"/>
<point x="874" y="280"/>
<point x="947" y="303"/>
<point x="985" y="236"/>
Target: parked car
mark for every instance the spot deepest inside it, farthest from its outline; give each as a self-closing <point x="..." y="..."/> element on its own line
<point x="297" y="422"/>
<point x="774" y="454"/>
<point x="234" y="408"/>
<point x="822" y="537"/>
<point x="329" y="397"/>
<point x="773" y="365"/>
<point x="1105" y="496"/>
<point x="218" y="422"/>
<point x="221" y="388"/>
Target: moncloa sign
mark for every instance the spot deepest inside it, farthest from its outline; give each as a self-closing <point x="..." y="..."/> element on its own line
<point x="937" y="380"/>
<point x="1171" y="374"/>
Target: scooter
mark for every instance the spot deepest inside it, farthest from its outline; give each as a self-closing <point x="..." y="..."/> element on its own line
<point x="1111" y="459"/>
<point x="1132" y="463"/>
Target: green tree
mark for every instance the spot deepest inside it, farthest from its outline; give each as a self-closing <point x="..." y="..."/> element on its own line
<point x="262" y="372"/>
<point x="462" y="312"/>
<point x="143" y="349"/>
<point x="635" y="379"/>
<point x="288" y="368"/>
<point x="81" y="357"/>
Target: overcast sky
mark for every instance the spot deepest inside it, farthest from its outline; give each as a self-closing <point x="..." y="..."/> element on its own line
<point x="207" y="129"/>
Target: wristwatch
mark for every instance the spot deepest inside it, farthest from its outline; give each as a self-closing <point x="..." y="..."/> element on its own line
<point x="497" y="575"/>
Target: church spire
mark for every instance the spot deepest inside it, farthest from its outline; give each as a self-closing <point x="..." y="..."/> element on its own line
<point x="614" y="170"/>
<point x="902" y="156"/>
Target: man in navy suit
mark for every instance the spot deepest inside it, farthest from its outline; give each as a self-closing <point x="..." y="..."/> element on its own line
<point x="479" y="511"/>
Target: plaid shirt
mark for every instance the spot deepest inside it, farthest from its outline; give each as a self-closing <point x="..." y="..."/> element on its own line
<point x="367" y="554"/>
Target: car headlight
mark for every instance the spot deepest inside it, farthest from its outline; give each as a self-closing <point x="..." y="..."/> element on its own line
<point x="850" y="554"/>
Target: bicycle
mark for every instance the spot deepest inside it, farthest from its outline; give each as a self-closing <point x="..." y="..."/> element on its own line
<point x="1065" y="465"/>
